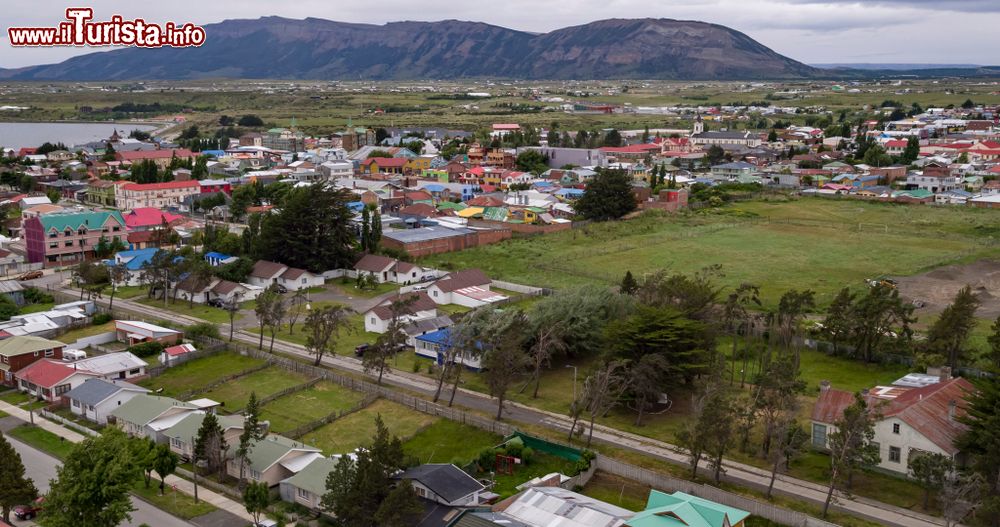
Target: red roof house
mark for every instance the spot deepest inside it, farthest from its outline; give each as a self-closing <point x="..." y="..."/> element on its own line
<point x="144" y="218"/>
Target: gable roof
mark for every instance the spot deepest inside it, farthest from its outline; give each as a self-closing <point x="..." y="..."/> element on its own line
<point x="271" y="449"/>
<point x="684" y="510"/>
<point x="462" y="279"/>
<point x="48" y="373"/>
<point x="420" y="302"/>
<point x="293" y="273"/>
<point x="266" y="269"/>
<point x="313" y="477"/>
<point x="142" y="409"/>
<point x="149" y="217"/>
<point x="154" y="154"/>
<point x="374" y="263"/>
<point x="75" y="220"/>
<point x="444" y="479"/>
<point x="146" y="187"/>
<point x="188" y="427"/>
<point x="93" y="391"/>
<point x="26" y="344"/>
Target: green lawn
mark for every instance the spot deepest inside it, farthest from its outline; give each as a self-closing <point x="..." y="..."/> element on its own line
<point x="234" y="394"/>
<point x="172" y="502"/>
<point x="769" y="254"/>
<point x="36" y="308"/>
<point x="615" y="490"/>
<point x="449" y="442"/>
<point x="845" y="374"/>
<point x="200" y="372"/>
<point x="380" y="289"/>
<point x="16" y="398"/>
<point x="539" y="465"/>
<point x="42" y="439"/>
<point x="128" y="291"/>
<point x="347" y="340"/>
<point x="299" y="408"/>
<point x="89" y="331"/>
<point x="202" y="311"/>
<point x="348" y="433"/>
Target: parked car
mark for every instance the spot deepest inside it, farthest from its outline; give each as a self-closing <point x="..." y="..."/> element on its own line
<point x="360" y="350"/>
<point x="27" y="512"/>
<point x="31" y="275"/>
<point x="282" y="289"/>
<point x="217" y="302"/>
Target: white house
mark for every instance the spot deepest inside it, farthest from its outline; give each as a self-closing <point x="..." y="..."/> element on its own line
<point x="386" y="269"/>
<point x="265" y="273"/>
<point x="308" y="486"/>
<point x="49" y="379"/>
<point x="181" y="435"/>
<point x="413" y="306"/>
<point x="96" y="398"/>
<point x="113" y="366"/>
<point x="469" y="288"/>
<point x="912" y="420"/>
<point x="133" y="332"/>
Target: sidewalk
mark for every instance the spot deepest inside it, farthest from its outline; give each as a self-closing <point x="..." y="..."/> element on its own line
<point x="181" y="484"/>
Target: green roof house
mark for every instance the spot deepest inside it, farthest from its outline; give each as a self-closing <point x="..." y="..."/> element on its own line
<point x="275" y="458"/>
<point x="684" y="510"/>
<point x="149" y="415"/>
<point x="182" y="434"/>
<point x="309" y="485"/>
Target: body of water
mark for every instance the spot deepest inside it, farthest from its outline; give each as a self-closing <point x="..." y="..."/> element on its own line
<point x="27" y="135"/>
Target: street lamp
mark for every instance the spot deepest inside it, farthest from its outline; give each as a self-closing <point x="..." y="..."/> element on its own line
<point x="574" y="379"/>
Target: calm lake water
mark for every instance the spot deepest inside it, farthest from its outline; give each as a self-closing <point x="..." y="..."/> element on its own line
<point x="19" y="135"/>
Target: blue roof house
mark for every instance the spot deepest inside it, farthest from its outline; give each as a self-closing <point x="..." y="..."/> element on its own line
<point x="435" y="346"/>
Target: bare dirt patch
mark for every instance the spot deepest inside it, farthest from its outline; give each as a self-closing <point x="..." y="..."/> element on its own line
<point x="937" y="288"/>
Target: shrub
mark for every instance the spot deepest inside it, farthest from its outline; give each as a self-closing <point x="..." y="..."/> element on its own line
<point x="204" y="329"/>
<point x="34" y="295"/>
<point x="101" y="318"/>
<point x="146" y="349"/>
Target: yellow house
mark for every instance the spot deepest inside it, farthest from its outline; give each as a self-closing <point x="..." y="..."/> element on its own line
<point x="385" y="165"/>
<point x="421" y="162"/>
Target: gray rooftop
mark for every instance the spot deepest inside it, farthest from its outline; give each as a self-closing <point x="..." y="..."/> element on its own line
<point x="93" y="391"/>
<point x="444" y="479"/>
<point x="425" y="234"/>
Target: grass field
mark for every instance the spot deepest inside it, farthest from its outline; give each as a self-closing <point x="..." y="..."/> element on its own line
<point x="449" y="442"/>
<point x="129" y="291"/>
<point x="15" y="397"/>
<point x="348" y="433"/>
<point x="234" y="394"/>
<point x="347" y="340"/>
<point x="539" y="465"/>
<point x="200" y="372"/>
<point x="752" y="241"/>
<point x="202" y="311"/>
<point x="618" y="491"/>
<point x="36" y="308"/>
<point x="73" y="335"/>
<point x="42" y="439"/>
<point x="177" y="503"/>
<point x="299" y="408"/>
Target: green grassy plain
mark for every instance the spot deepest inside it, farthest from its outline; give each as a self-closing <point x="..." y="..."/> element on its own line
<point x="200" y="372"/>
<point x="350" y="432"/>
<point x="299" y="408"/>
<point x="234" y="394"/>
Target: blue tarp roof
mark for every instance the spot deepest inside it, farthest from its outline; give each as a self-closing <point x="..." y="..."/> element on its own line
<point x="441" y="337"/>
<point x="217" y="256"/>
<point x="356" y="206"/>
<point x="434" y="188"/>
<point x="569" y="192"/>
<point x="213" y="153"/>
<point x="138" y="258"/>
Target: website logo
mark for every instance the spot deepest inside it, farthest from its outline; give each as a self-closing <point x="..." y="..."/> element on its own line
<point x="79" y="29"/>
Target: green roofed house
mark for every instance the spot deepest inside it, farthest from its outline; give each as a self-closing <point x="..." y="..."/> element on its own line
<point x="684" y="510"/>
<point x="68" y="238"/>
<point x="181" y="435"/>
<point x="274" y="459"/>
<point x="308" y="486"/>
<point x="149" y="415"/>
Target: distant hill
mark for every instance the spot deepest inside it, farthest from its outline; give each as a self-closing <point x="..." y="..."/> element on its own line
<point x="894" y="66"/>
<point x="281" y="48"/>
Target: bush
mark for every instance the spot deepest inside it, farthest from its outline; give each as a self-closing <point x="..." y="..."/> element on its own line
<point x="146" y="349"/>
<point x="34" y="295"/>
<point x="204" y="329"/>
<point x="101" y="318"/>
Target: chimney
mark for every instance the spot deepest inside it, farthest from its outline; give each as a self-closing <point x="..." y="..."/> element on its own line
<point x="945" y="374"/>
<point x="951" y="410"/>
<point x="824" y="386"/>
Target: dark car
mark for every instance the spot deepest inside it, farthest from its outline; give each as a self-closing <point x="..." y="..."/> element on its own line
<point x="282" y="289"/>
<point x="216" y="302"/>
<point x="360" y="349"/>
<point x="27" y="512"/>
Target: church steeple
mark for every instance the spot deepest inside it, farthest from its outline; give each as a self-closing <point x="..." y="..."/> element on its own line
<point x="114" y="136"/>
<point x="699" y="125"/>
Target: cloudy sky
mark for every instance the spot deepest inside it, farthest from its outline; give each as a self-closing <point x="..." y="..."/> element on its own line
<point x="812" y="31"/>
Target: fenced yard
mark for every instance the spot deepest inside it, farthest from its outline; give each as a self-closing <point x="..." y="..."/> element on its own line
<point x="200" y="373"/>
<point x="303" y="407"/>
<point x="234" y="394"/>
<point x="348" y="433"/>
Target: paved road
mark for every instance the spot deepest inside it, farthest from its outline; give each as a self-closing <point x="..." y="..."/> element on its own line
<point x="41" y="467"/>
<point x="737" y="472"/>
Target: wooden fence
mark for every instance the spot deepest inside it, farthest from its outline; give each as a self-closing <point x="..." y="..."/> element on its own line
<point x="287" y="391"/>
<point x="333" y="416"/>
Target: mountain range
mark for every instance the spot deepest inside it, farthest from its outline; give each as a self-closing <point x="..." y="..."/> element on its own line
<point x="313" y="48"/>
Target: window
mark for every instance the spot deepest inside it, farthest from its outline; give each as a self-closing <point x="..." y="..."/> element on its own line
<point x="303" y="493"/>
<point x="53" y="234"/>
<point x="76" y="404"/>
<point x="53" y="245"/>
<point x="894" y="454"/>
<point x="68" y="243"/>
<point x="895" y="428"/>
<point x="61" y="389"/>
<point x="134" y="372"/>
<point x="303" y="280"/>
<point x="819" y="435"/>
<point x="68" y="232"/>
<point x="176" y="443"/>
<point x="254" y="475"/>
<point x="49" y="353"/>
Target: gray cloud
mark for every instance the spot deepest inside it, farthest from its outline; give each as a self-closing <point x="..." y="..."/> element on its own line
<point x="807" y="30"/>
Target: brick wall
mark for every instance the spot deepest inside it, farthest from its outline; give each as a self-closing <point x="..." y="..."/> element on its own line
<point x="449" y="244"/>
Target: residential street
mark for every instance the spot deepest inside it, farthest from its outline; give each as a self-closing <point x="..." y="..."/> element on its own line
<point x="515" y="412"/>
<point x="41" y="467"/>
